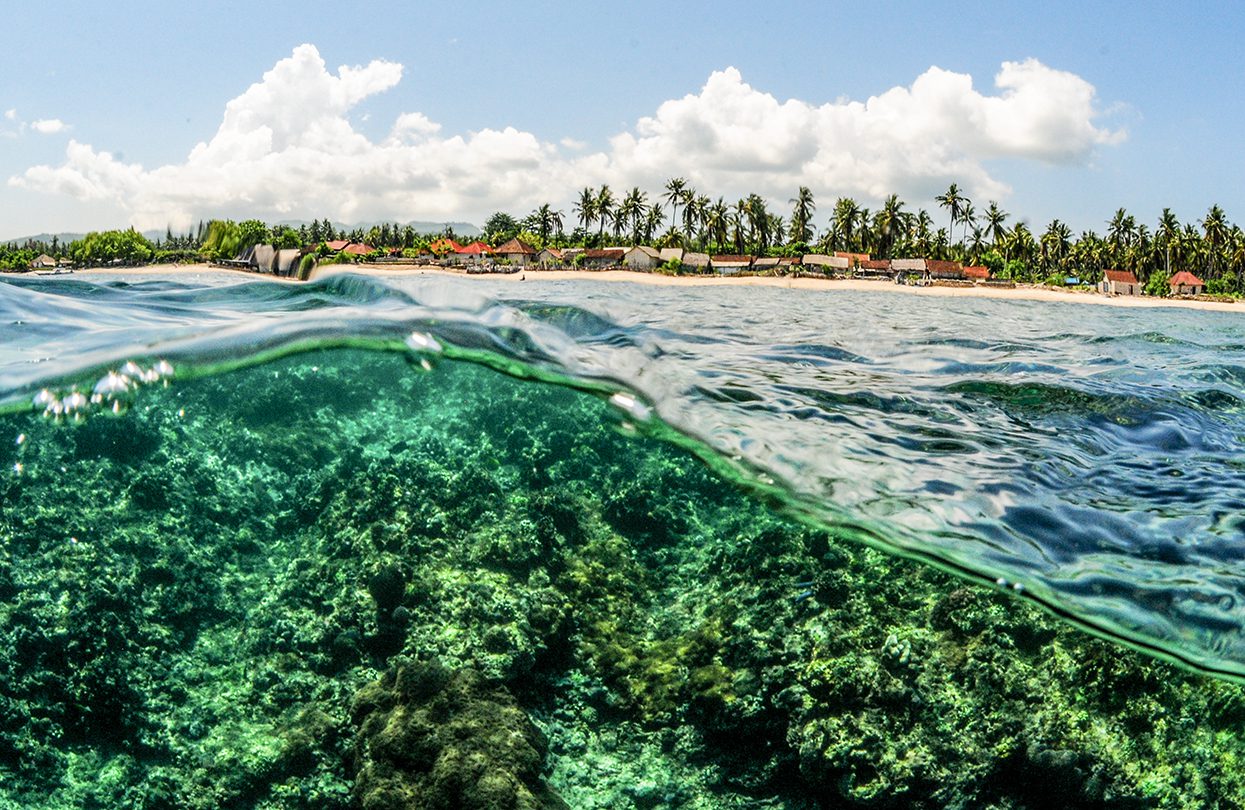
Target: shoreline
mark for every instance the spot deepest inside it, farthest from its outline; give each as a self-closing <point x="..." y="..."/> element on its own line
<point x="1018" y="293"/>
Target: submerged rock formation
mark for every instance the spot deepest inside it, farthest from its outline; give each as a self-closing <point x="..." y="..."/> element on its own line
<point x="431" y="738"/>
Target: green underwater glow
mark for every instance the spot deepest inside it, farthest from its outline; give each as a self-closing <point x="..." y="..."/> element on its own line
<point x="280" y="584"/>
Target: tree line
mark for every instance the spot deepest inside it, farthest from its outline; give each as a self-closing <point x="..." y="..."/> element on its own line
<point x="680" y="216"/>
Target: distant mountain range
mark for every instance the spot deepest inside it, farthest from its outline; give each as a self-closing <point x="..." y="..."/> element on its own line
<point x="460" y="228"/>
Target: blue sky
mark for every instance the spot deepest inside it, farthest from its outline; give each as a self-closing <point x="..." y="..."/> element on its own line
<point x="562" y="92"/>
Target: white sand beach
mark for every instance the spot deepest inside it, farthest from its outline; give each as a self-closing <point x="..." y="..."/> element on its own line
<point x="1021" y="292"/>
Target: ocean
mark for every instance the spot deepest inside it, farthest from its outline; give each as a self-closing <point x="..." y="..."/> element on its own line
<point x="434" y="542"/>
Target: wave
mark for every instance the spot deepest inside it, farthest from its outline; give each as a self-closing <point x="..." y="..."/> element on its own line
<point x="1093" y="473"/>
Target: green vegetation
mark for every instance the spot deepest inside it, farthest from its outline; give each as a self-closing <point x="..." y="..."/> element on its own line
<point x="330" y="582"/>
<point x="1211" y="247"/>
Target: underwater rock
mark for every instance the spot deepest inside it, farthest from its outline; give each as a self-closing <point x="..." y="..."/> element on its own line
<point x="387" y="585"/>
<point x="431" y="738"/>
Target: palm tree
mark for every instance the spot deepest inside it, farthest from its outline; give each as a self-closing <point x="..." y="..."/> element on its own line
<point x="675" y="188"/>
<point x="1120" y="232"/>
<point x="802" y="215"/>
<point x="1215" y="227"/>
<point x="632" y="211"/>
<point x="586" y="208"/>
<point x="604" y="209"/>
<point x="717" y="222"/>
<point x="968" y="216"/>
<point x="845" y="217"/>
<point x="694" y="212"/>
<point x="887" y="224"/>
<point x="653" y="220"/>
<point x="995" y="217"/>
<point x="954" y="201"/>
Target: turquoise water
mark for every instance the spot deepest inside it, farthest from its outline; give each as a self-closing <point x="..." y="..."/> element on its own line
<point x="656" y="533"/>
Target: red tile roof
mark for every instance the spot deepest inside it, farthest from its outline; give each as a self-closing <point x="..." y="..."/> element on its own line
<point x="358" y="249"/>
<point x="1185" y="279"/>
<point x="444" y="246"/>
<point x="1121" y="277"/>
<point x="516" y="246"/>
<point x="337" y="244"/>
<point x="478" y="248"/>
<point x="604" y="253"/>
<point x="732" y="258"/>
<point x="977" y="271"/>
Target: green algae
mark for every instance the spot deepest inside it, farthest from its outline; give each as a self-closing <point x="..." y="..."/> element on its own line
<point x="193" y="596"/>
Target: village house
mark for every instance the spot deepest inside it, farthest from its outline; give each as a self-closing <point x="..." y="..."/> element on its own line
<point x="358" y="249"/>
<point x="44" y="261"/>
<point x="641" y="257"/>
<point x="517" y="252"/>
<point x="1119" y="282"/>
<point x="1185" y="283"/>
<point x="853" y="259"/>
<point x="766" y="264"/>
<point x="938" y="269"/>
<point x="602" y="258"/>
<point x="337" y="245"/>
<point x="550" y="257"/>
<point x="729" y="264"/>
<point x="671" y="254"/>
<point x="823" y="263"/>
<point x="977" y="272"/>
<point x="474" y="253"/>
<point x="874" y="268"/>
<point x="697" y="262"/>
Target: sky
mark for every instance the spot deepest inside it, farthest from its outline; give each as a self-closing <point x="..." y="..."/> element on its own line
<point x="154" y="114"/>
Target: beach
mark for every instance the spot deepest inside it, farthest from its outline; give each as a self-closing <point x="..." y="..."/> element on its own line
<point x="1021" y="292"/>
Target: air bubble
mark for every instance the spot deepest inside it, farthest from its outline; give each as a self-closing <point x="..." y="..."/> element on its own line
<point x="423" y="342"/>
<point x="626" y="402"/>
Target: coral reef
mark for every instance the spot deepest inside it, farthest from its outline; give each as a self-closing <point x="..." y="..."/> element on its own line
<point x="435" y="739"/>
<point x="221" y="598"/>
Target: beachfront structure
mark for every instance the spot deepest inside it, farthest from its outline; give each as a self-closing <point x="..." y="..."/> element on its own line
<point x="939" y="269"/>
<point x="358" y="249"/>
<point x="729" y="264"/>
<point x="641" y="257"/>
<point x="470" y="254"/>
<point x="853" y="259"/>
<point x="977" y="272"/>
<point x="337" y="245"/>
<point x="1185" y="283"/>
<point x="1119" y="282"/>
<point x="42" y="262"/>
<point x="874" y="267"/>
<point x="671" y="254"/>
<point x="444" y="247"/>
<point x="550" y="257"/>
<point x="517" y="252"/>
<point x="764" y="264"/>
<point x="908" y="266"/>
<point x="602" y="258"/>
<point x="696" y="261"/>
<point x="820" y="261"/>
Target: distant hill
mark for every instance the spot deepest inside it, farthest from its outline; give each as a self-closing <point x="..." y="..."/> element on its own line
<point x="460" y="228"/>
<point x="65" y="237"/>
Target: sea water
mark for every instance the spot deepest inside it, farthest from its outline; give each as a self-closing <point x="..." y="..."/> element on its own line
<point x="434" y="542"/>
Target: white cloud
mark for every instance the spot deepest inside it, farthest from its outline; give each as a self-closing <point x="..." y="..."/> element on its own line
<point x="49" y="126"/>
<point x="10" y="114"/>
<point x="285" y="148"/>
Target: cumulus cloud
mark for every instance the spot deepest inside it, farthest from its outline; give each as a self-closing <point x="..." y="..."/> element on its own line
<point x="48" y="126"/>
<point x="285" y="148"/>
<point x="10" y="114"/>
